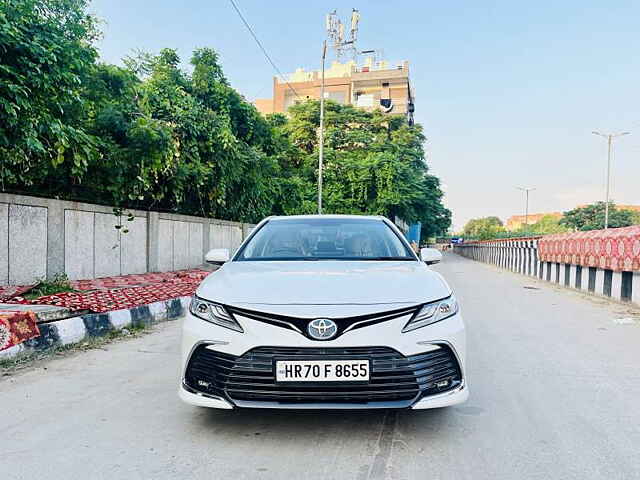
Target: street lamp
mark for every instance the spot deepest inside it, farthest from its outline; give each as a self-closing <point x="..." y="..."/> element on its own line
<point x="609" y="137"/>
<point x="526" y="190"/>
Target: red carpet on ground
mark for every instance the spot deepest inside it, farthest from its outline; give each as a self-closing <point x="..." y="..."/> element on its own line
<point x="116" y="293"/>
<point x="17" y="327"/>
<point x="137" y="280"/>
<point x="7" y="292"/>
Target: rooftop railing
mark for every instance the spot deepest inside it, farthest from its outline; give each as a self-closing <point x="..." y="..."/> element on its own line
<point x="304" y="76"/>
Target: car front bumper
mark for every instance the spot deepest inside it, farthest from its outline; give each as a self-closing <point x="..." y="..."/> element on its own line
<point x="448" y="334"/>
<point x="446" y="399"/>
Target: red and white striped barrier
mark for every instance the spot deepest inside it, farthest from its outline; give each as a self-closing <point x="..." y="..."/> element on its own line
<point x="549" y="258"/>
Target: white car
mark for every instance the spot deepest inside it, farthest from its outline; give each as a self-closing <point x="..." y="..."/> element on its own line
<point x="324" y="312"/>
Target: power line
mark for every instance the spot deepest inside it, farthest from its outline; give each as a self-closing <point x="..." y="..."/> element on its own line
<point x="275" y="67"/>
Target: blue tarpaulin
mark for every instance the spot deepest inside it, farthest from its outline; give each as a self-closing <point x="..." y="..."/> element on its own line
<point x="413" y="234"/>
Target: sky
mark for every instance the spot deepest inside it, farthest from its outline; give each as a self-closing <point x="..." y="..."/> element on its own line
<point x="508" y="92"/>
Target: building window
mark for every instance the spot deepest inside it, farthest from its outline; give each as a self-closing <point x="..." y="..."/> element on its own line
<point x="338" y="97"/>
<point x="289" y="101"/>
<point x="364" y="100"/>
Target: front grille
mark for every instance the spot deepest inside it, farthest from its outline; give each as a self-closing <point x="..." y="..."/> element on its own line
<point x="344" y="324"/>
<point x="251" y="377"/>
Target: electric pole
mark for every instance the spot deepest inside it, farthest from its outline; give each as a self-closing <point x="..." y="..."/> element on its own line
<point x="526" y="190"/>
<point x="321" y="146"/>
<point x="335" y="33"/>
<point x="609" y="137"/>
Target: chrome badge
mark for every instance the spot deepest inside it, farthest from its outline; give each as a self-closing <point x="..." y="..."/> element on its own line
<point x="322" y="329"/>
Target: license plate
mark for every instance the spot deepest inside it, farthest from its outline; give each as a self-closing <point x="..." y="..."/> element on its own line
<point x="322" y="370"/>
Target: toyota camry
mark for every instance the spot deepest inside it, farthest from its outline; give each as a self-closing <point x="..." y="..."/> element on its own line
<point x="324" y="312"/>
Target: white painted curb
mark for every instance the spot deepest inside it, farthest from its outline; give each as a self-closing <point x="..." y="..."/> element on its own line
<point x="76" y="329"/>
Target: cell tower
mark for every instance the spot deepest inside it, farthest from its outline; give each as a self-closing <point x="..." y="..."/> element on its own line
<point x="335" y="32"/>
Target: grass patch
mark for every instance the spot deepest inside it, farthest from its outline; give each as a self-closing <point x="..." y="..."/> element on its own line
<point x="60" y="283"/>
<point x="9" y="366"/>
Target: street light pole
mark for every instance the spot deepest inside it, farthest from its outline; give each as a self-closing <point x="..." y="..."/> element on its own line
<point x="526" y="190"/>
<point x="609" y="137"/>
<point x="321" y="139"/>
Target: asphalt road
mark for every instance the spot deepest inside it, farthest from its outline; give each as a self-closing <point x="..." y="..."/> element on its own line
<point x="555" y="394"/>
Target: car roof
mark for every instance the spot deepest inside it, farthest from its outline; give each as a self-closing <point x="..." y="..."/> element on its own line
<point x="328" y="217"/>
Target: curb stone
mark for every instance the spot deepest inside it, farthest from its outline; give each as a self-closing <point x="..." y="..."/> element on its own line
<point x="76" y="329"/>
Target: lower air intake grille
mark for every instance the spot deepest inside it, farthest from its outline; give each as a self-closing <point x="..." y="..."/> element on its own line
<point x="251" y="377"/>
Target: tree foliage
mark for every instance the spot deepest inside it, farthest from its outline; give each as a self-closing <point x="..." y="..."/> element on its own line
<point x="484" y="228"/>
<point x="547" y="225"/>
<point x="591" y="217"/>
<point x="373" y="164"/>
<point x="46" y="53"/>
<point x="150" y="135"/>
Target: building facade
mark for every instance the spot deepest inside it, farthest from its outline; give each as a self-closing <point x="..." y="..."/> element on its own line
<point x="514" y="222"/>
<point x="372" y="85"/>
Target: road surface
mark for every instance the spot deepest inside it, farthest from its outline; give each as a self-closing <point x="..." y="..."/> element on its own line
<point x="555" y="394"/>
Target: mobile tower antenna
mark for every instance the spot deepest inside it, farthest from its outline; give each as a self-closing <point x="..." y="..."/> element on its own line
<point x="335" y="33"/>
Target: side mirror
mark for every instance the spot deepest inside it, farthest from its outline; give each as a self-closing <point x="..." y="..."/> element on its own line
<point x="217" y="256"/>
<point x="430" y="255"/>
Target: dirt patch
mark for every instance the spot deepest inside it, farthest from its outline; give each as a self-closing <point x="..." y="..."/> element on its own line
<point x="30" y="361"/>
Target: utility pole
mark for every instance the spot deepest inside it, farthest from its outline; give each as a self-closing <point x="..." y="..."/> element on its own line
<point x="609" y="137"/>
<point x="526" y="190"/>
<point x="321" y="146"/>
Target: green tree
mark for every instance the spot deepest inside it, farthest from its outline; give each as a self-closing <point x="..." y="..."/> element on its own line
<point x="374" y="164"/>
<point x="151" y="135"/>
<point x="485" y="228"/>
<point x="133" y="146"/>
<point x="46" y="54"/>
<point x="222" y="161"/>
<point x="591" y="217"/>
<point x="548" y="224"/>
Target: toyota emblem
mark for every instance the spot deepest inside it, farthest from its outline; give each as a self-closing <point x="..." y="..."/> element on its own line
<point x="322" y="329"/>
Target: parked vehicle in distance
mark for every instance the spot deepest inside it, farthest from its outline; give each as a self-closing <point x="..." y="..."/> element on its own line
<point x="324" y="312"/>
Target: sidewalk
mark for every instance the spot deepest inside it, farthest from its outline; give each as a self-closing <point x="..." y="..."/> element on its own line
<point x="96" y="308"/>
<point x="117" y="293"/>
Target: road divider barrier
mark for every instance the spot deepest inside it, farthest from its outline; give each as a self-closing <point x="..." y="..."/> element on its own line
<point x="603" y="263"/>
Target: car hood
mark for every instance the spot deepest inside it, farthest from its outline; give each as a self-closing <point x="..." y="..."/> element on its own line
<point x="251" y="284"/>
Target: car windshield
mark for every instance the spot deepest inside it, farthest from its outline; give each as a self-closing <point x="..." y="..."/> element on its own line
<point x="325" y="239"/>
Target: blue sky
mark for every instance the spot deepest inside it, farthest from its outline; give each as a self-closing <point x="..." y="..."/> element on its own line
<point x="508" y="92"/>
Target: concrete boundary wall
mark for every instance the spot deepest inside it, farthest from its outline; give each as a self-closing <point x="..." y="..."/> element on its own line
<point x="41" y="237"/>
<point x="521" y="256"/>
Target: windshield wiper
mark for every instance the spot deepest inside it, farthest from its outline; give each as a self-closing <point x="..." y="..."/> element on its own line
<point x="276" y="259"/>
<point x="315" y="259"/>
<point x="401" y="259"/>
<point x="357" y="259"/>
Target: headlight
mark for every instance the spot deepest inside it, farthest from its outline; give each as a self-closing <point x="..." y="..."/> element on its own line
<point x="432" y="313"/>
<point x="214" y="313"/>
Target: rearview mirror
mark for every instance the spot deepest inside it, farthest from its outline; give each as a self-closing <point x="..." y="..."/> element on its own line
<point x="217" y="256"/>
<point x="430" y="255"/>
